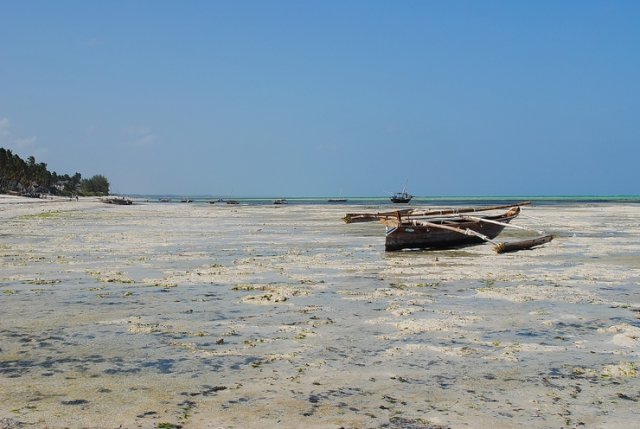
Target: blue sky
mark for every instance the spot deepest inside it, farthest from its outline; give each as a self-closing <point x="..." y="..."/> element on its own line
<point x="317" y="98"/>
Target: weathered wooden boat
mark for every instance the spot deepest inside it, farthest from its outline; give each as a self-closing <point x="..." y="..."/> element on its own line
<point x="445" y="232"/>
<point x="280" y="201"/>
<point x="449" y="228"/>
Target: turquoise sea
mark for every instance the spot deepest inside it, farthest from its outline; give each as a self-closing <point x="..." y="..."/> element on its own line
<point x="435" y="201"/>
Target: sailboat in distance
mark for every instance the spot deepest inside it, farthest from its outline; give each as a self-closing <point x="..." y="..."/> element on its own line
<point x="401" y="197"/>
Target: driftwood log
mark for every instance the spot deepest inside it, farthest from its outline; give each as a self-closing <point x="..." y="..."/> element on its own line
<point x="513" y="246"/>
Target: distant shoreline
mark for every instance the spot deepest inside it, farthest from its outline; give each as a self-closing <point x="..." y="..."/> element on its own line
<point x="417" y="200"/>
<point x="350" y="201"/>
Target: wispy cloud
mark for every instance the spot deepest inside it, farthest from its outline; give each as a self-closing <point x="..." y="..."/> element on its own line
<point x="25" y="143"/>
<point x="328" y="148"/>
<point x="91" y="42"/>
<point x="145" y="140"/>
<point x="4" y="126"/>
<point x="141" y="136"/>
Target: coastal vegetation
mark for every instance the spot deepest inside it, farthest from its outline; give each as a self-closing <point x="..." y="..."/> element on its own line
<point x="30" y="178"/>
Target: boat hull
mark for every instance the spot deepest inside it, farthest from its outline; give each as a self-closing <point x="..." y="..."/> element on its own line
<point x="399" y="200"/>
<point x="408" y="235"/>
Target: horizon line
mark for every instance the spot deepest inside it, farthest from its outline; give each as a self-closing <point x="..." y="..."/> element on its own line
<point x="375" y="197"/>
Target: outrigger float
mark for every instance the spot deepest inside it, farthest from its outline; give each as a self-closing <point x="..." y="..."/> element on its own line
<point x="450" y="228"/>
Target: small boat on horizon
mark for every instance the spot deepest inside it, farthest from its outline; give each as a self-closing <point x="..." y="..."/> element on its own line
<point x="280" y="201"/>
<point x="401" y="197"/>
<point x="337" y="200"/>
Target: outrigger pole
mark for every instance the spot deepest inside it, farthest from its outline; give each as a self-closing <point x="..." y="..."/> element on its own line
<point x="499" y="247"/>
<point x="370" y="217"/>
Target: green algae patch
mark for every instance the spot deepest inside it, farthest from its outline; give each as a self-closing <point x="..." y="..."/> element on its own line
<point x="621" y="370"/>
<point x="168" y="426"/>
<point x="41" y="282"/>
<point x="56" y="214"/>
<point x="111" y="277"/>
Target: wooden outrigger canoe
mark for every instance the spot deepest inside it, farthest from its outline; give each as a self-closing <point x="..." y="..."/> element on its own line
<point x="448" y="228"/>
<point x="444" y="233"/>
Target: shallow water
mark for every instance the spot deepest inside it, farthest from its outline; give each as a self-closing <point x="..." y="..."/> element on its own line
<point x="263" y="316"/>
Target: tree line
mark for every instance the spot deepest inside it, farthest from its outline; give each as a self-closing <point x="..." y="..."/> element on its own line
<point x="28" y="177"/>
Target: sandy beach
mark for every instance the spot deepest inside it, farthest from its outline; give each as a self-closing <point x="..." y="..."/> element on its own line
<point x="167" y="315"/>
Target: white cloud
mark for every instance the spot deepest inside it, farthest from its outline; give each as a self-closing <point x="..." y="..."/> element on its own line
<point x="145" y="140"/>
<point x="22" y="145"/>
<point x="4" y="126"/>
<point x="91" y="42"/>
<point x="141" y="136"/>
<point x="25" y="143"/>
<point x="138" y="130"/>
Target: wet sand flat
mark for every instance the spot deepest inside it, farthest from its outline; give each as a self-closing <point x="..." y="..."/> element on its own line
<point x="216" y="316"/>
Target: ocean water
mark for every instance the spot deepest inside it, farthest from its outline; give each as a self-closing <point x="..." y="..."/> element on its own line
<point x="416" y="201"/>
<point x="210" y="315"/>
